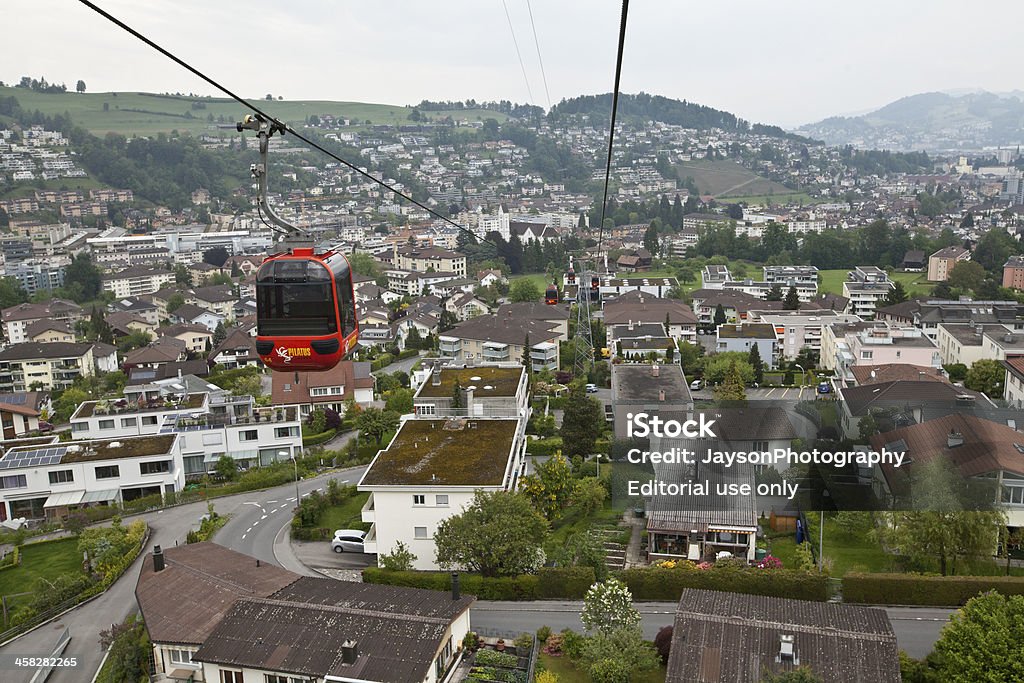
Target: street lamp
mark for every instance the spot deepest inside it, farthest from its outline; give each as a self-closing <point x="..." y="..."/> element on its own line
<point x="802" y="372"/>
<point x="296" y="463"/>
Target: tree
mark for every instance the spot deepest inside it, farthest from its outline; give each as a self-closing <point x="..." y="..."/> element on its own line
<point x="217" y="256"/>
<point x="399" y="401"/>
<point x="754" y="358"/>
<point x="775" y="293"/>
<point x="527" y="356"/>
<point x="551" y="485"/>
<point x="219" y="334"/>
<point x="651" y="240"/>
<point x="400" y="559"/>
<point x="99" y="328"/>
<point x="582" y="549"/>
<point x="966" y="276"/>
<point x="175" y="301"/>
<point x="608" y="607"/>
<point x="499" y="534"/>
<point x="82" y="279"/>
<point x="523" y="289"/>
<point x="80" y="86"/>
<point x="363" y="264"/>
<point x="986" y="375"/>
<point x="11" y="293"/>
<point x="983" y="641"/>
<point x="226" y="468"/>
<point x="792" y="300"/>
<point x="182" y="275"/>
<point x="663" y="643"/>
<point x="317" y="421"/>
<point x="957" y="371"/>
<point x="616" y="657"/>
<point x="582" y="422"/>
<point x="719" y="318"/>
<point x="375" y="423"/>
<point x="867" y="428"/>
<point x="942" y="291"/>
<point x="896" y="295"/>
<point x="717" y="367"/>
<point x="732" y="387"/>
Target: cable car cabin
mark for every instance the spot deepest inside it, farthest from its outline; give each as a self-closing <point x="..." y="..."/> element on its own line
<point x="595" y="288"/>
<point x="306" y="316"/>
<point x="570" y="277"/>
<point x="551" y="295"/>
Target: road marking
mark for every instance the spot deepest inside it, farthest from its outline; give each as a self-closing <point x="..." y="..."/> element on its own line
<point x="770" y="392"/>
<point x="784" y="392"/>
<point x="256" y="523"/>
<point x="252" y="502"/>
<point x="292" y="499"/>
<point x="248" y="530"/>
<point x="263" y="517"/>
<point x="271" y="501"/>
<point x="243" y="536"/>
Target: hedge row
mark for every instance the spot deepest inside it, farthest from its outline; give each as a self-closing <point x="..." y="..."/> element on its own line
<point x="544" y="447"/>
<point x="913" y="589"/>
<point x="659" y="583"/>
<point x="317" y="439"/>
<point x="549" y="582"/>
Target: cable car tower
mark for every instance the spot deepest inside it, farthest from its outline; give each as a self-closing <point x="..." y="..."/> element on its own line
<point x="587" y="290"/>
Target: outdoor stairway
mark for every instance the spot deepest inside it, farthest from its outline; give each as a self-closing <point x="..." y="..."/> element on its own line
<point x="615" y="553"/>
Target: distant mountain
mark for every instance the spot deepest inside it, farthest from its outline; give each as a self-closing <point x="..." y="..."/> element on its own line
<point x="933" y="121"/>
<point x="657" y="108"/>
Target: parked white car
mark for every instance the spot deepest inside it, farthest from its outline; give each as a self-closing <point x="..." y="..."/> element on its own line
<point x="348" y="540"/>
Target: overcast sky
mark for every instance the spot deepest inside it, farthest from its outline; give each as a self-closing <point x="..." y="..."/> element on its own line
<point x="785" y="62"/>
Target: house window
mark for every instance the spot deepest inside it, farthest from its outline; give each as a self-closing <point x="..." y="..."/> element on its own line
<point x="61" y="476"/>
<point x="419" y="499"/>
<point x="420" y="532"/>
<point x="129" y="421"/>
<point x="158" y="467"/>
<point x="866" y="355"/>
<point x="149" y="419"/>
<point x="759" y="446"/>
<point x="180" y="656"/>
<point x="442" y="499"/>
<point x="231" y="676"/>
<point x="284" y="432"/>
<point x="425" y="410"/>
<point x="441" y="663"/>
<point x="249" y="435"/>
<point x="14" y="481"/>
<point x="326" y="391"/>
<point x="106" y="424"/>
<point x="108" y="472"/>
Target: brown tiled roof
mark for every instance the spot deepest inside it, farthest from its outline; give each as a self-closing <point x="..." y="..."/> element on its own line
<point x="199" y="584"/>
<point x="892" y="372"/>
<point x="637" y="306"/>
<point x="753" y="423"/>
<point x="301" y="630"/>
<point x="735" y="638"/>
<point x="504" y="330"/>
<point x="293" y="387"/>
<point x="902" y="392"/>
<point x="987" y="446"/>
<point x="39" y="326"/>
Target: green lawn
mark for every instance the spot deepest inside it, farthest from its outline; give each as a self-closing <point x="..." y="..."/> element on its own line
<point x="848" y="554"/>
<point x="347" y="515"/>
<point x="40" y="560"/>
<point x="568" y="673"/>
<point x="915" y="284"/>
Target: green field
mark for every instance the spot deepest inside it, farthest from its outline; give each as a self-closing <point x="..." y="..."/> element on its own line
<point x="915" y="284"/>
<point x="147" y="114"/>
<point x="729" y="179"/>
<point x="348" y="515"/>
<point x="40" y="560"/>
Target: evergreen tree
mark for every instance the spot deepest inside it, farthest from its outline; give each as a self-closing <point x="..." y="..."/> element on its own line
<point x="457" y="400"/>
<point x="581" y="422"/>
<point x="792" y="300"/>
<point x="219" y="334"/>
<point x="527" y="360"/>
<point x="755" y="361"/>
<point x="720" y="318"/>
<point x="732" y="387"/>
<point x="896" y="295"/>
<point x="775" y="293"/>
<point x="651" y="240"/>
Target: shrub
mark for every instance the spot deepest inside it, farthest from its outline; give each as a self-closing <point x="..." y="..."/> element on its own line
<point x="608" y="606"/>
<point x="544" y="447"/>
<point x="400" y="558"/>
<point x="572" y="644"/>
<point x="470" y="641"/>
<point x="546" y="677"/>
<point x="567" y="583"/>
<point x="319" y="438"/>
<point x="655" y="583"/>
<point x="523" y="643"/>
<point x="910" y="589"/>
<point x="553" y="644"/>
<point x="543" y="632"/>
<point x="493" y="658"/>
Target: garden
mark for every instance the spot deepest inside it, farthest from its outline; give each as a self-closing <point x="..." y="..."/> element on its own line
<point x="320" y="514"/>
<point x="492" y="660"/>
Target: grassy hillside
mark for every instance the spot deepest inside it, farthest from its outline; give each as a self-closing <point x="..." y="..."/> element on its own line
<point x="729" y="179"/>
<point x="147" y="114"/>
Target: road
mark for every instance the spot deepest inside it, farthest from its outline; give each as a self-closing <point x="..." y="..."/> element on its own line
<point x="405" y="365"/>
<point x="169" y="527"/>
<point x="916" y="628"/>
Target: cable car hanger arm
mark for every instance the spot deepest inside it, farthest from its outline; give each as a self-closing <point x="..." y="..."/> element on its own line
<point x="264" y="130"/>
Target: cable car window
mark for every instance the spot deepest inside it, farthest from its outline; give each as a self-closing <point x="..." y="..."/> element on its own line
<point x="346" y="304"/>
<point x="295" y="298"/>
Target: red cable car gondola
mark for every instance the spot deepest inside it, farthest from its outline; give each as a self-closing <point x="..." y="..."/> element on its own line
<point x="551" y="295"/>
<point x="305" y="304"/>
<point x="570" y="277"/>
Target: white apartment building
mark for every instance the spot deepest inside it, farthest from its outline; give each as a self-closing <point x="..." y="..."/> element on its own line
<point x="866" y="288"/>
<point x="883" y="345"/>
<point x="50" y="480"/>
<point x="486" y="390"/>
<point x="430" y="471"/>
<point x="137" y="280"/>
<point x="52" y="365"/>
<point x="799" y="330"/>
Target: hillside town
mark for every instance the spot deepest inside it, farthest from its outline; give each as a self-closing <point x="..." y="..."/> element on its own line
<point x="478" y="443"/>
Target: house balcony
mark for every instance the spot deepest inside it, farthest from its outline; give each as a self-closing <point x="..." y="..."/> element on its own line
<point x="449" y="348"/>
<point x="370" y="540"/>
<point x="368" y="512"/>
<point x="494" y="352"/>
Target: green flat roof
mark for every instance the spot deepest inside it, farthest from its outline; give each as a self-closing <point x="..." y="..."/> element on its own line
<point x="458" y="452"/>
<point x="502" y="382"/>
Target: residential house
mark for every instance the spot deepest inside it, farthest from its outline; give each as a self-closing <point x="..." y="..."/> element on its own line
<point x="743" y="337"/>
<point x="798" y="331"/>
<point x="637" y="307"/>
<point x="348" y="380"/>
<point x="18" y="419"/>
<point x="430" y="471"/>
<point x="502" y="339"/>
<point x="465" y="306"/>
<point x="942" y="262"/>
<point x="847" y="345"/>
<point x="201" y="602"/>
<point x="657" y="389"/>
<point x="219" y="299"/>
<point x="193" y="314"/>
<point x="979" y="448"/>
<point x="161" y="352"/>
<point x="914" y="261"/>
<point x="46" y="331"/>
<point x="557" y="316"/>
<point x="714" y="276"/>
<point x="489" y="278"/>
<point x="202" y="272"/>
<point x="896" y="372"/>
<point x="16" y="319"/>
<point x="51" y="366"/>
<point x="137" y="280"/>
<point x="51" y="480"/>
<point x="1013" y="382"/>
<point x="197" y="338"/>
<point x="720" y="637"/>
<point x="866" y="287"/>
<point x="144" y="309"/>
<point x="124" y="323"/>
<point x="656" y="286"/>
<point x="424" y="259"/>
<point x="637" y="341"/>
<point x="484" y="390"/>
<point x="903" y="401"/>
<point x="238" y="350"/>
<point x="1013" y="272"/>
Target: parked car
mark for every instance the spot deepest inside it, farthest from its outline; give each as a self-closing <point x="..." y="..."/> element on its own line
<point x="348" y="540"/>
<point x="824" y="388"/>
<point x="695" y="385"/>
<point x="591" y="388"/>
<point x="45" y="426"/>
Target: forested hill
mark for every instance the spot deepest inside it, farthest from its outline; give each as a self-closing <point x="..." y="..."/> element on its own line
<point x="664" y="109"/>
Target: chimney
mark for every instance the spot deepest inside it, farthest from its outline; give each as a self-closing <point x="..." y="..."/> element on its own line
<point x="655" y="371"/>
<point x="349" y="652"/>
<point x="435" y="377"/>
<point x="786" y="653"/>
<point x="257" y="562"/>
<point x="630" y="325"/>
<point x="661" y="395"/>
<point x="158" y="559"/>
<point x="954" y="439"/>
<point x="469" y="400"/>
<point x="455" y="586"/>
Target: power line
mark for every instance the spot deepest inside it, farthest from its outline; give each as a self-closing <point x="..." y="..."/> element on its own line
<point x="518" y="53"/>
<point x="117" y="22"/>
<point x="539" y="59"/>
<point x="611" y="132"/>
